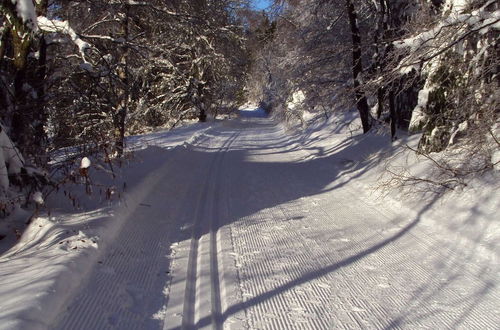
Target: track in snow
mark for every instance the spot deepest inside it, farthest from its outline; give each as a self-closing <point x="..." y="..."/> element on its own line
<point x="128" y="288"/>
<point x="206" y="221"/>
<point x="245" y="230"/>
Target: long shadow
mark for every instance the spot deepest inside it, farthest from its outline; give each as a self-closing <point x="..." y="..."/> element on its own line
<point x="481" y="275"/>
<point x="298" y="179"/>
<point x="331" y="168"/>
<point x="253" y="113"/>
<point x="317" y="273"/>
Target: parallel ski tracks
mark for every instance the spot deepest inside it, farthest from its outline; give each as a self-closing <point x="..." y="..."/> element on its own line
<point x="301" y="261"/>
<point x="124" y="289"/>
<point x="197" y="311"/>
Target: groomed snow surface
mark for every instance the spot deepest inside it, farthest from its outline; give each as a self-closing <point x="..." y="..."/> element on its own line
<point x="242" y="224"/>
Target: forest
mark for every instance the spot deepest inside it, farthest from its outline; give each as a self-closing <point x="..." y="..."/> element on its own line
<point x="78" y="77"/>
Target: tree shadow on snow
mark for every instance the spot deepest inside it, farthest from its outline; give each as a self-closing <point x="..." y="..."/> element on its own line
<point x="240" y="182"/>
<point x="327" y="169"/>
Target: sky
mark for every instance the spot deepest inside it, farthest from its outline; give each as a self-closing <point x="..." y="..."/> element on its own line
<point x="261" y="4"/>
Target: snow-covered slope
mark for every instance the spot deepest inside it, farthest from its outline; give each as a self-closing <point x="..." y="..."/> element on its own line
<point x="245" y="224"/>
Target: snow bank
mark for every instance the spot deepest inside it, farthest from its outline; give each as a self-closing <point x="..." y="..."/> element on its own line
<point x="418" y="116"/>
<point x="465" y="213"/>
<point x="46" y="266"/>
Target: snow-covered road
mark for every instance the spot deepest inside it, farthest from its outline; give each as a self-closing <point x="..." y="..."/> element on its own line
<point x="243" y="229"/>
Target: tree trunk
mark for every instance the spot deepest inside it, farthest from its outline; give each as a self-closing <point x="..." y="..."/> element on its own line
<point x="380" y="101"/>
<point x="3" y="43"/>
<point x="393" y="114"/>
<point x="380" y="52"/>
<point x="40" y="113"/>
<point x="21" y="42"/>
<point x="357" y="68"/>
<point x="124" y="94"/>
<point x="202" y="117"/>
<point x="19" y="123"/>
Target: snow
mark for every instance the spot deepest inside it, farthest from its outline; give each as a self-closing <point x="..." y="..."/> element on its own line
<point x="418" y="117"/>
<point x="435" y="40"/>
<point x="297" y="98"/>
<point x="85" y="163"/>
<point x="38" y="198"/>
<point x="495" y="160"/>
<point x="53" y="25"/>
<point x="26" y="11"/>
<point x="242" y="221"/>
<point x="252" y="111"/>
<point x="11" y="160"/>
<point x="456" y="6"/>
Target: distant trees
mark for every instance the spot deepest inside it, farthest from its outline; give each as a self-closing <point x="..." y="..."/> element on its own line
<point x="311" y="51"/>
<point x="426" y="66"/>
<point x="429" y="67"/>
<point x="85" y="73"/>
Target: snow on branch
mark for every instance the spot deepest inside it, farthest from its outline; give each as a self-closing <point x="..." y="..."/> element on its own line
<point x="56" y="26"/>
<point x="450" y="32"/>
<point x="136" y="3"/>
<point x="11" y="160"/>
<point x="26" y="11"/>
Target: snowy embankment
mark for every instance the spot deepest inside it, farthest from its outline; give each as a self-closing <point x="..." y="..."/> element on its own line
<point x="57" y="251"/>
<point x="469" y="213"/>
<point x="310" y="195"/>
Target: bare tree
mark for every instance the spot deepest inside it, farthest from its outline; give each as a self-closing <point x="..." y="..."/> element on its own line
<point x="357" y="68"/>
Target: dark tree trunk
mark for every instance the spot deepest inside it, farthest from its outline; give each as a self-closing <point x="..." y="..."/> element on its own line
<point x="3" y="44"/>
<point x="21" y="43"/>
<point x="202" y="116"/>
<point x="40" y="114"/>
<point x="380" y="101"/>
<point x="19" y="123"/>
<point x="123" y="74"/>
<point x="393" y="113"/>
<point x="380" y="53"/>
<point x="357" y="68"/>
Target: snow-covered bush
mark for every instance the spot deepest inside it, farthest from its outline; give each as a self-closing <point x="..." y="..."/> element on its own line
<point x="11" y="161"/>
<point x="452" y="50"/>
<point x="457" y="58"/>
<point x="19" y="184"/>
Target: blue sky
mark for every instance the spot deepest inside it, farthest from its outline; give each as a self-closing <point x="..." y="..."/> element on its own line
<point x="261" y="4"/>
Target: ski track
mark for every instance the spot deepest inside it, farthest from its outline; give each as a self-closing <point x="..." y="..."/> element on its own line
<point x="246" y="232"/>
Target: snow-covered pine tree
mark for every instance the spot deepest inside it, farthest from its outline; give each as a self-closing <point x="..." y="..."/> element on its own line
<point x="22" y="102"/>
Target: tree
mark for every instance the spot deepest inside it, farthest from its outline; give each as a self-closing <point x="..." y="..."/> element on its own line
<point x="86" y="73"/>
<point x="22" y="101"/>
<point x="451" y="48"/>
<point x="357" y="68"/>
